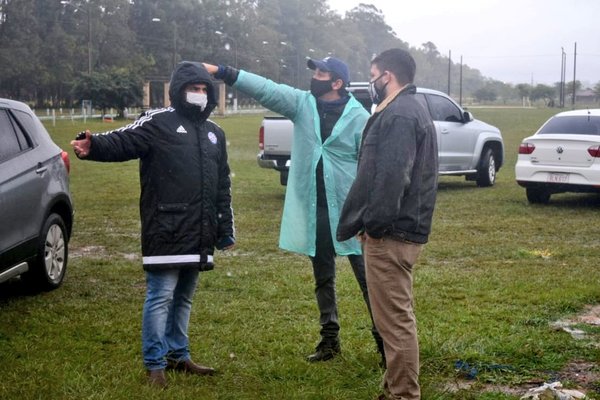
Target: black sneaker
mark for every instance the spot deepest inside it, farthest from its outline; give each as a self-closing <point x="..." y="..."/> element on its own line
<point x="326" y="350"/>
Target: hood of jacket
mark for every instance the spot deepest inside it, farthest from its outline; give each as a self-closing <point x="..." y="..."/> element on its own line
<point x="185" y="73"/>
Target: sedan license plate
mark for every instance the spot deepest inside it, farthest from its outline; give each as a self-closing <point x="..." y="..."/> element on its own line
<point x="554" y="177"/>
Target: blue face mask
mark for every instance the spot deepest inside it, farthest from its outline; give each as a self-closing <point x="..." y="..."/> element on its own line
<point x="377" y="94"/>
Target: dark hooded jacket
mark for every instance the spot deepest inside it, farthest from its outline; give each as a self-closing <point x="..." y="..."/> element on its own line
<point x="185" y="201"/>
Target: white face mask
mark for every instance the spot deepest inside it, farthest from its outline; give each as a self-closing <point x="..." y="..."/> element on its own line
<point x="197" y="99"/>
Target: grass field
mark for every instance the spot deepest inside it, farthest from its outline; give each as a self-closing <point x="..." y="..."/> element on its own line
<point x="494" y="276"/>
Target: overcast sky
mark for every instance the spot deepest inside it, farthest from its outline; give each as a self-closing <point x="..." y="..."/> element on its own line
<point x="514" y="41"/>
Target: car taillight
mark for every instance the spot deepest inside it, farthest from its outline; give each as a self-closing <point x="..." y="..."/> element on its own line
<point x="594" y="151"/>
<point x="526" y="148"/>
<point x="65" y="157"/>
<point x="261" y="138"/>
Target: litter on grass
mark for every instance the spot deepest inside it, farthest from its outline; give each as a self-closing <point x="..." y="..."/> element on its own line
<point x="553" y="391"/>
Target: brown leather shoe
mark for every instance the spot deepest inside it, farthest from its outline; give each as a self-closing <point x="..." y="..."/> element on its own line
<point x="157" y="378"/>
<point x="190" y="367"/>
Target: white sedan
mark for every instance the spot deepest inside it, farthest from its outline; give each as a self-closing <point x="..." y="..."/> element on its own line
<point x="562" y="156"/>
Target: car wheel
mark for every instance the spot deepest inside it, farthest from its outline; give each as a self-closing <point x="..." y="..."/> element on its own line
<point x="50" y="264"/>
<point x="486" y="173"/>
<point x="283" y="177"/>
<point x="537" y="195"/>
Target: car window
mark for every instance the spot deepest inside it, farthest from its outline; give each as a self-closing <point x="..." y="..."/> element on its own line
<point x="9" y="142"/>
<point x="421" y="99"/>
<point x="443" y="109"/>
<point x="363" y="97"/>
<point x="576" y="125"/>
<point x="29" y="126"/>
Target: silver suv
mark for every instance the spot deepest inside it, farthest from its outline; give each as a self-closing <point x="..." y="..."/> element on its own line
<point x="36" y="213"/>
<point x="466" y="146"/>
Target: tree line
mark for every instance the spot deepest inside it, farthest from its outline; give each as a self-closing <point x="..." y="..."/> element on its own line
<point x="58" y="52"/>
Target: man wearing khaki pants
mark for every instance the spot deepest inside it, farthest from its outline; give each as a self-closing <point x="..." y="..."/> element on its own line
<point x="390" y="207"/>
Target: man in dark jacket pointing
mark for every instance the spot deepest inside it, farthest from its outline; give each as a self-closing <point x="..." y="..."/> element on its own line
<point x="185" y="208"/>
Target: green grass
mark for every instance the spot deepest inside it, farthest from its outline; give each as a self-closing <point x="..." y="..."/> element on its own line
<point x="496" y="273"/>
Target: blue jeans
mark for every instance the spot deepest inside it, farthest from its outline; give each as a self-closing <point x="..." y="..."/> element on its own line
<point x="166" y="316"/>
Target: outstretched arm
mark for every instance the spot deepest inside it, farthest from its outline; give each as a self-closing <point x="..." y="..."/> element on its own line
<point x="277" y="97"/>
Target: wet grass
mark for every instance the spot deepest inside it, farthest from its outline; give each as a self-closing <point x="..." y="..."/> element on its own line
<point x="496" y="273"/>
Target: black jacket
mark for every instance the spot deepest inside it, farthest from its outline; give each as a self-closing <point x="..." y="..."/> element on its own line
<point x="185" y="201"/>
<point x="395" y="188"/>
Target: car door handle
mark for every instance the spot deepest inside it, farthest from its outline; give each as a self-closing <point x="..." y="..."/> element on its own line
<point x="445" y="131"/>
<point x="40" y="169"/>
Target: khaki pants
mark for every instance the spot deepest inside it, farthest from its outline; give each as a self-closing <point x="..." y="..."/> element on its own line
<point x="389" y="266"/>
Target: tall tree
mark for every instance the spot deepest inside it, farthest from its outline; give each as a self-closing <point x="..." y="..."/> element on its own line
<point x="486" y="93"/>
<point x="543" y="92"/>
<point x="569" y="87"/>
<point x="20" y="46"/>
<point x="368" y="22"/>
<point x="118" y="88"/>
<point x="45" y="46"/>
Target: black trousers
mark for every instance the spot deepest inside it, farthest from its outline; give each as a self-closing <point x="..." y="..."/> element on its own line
<point x="324" y="272"/>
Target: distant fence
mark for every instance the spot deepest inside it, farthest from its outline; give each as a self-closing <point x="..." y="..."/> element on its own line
<point x="51" y="114"/>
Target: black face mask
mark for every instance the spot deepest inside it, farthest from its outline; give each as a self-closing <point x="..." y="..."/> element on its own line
<point x="377" y="94"/>
<point x="319" y="88"/>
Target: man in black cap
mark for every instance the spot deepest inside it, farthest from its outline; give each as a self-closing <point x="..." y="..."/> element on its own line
<point x="328" y="122"/>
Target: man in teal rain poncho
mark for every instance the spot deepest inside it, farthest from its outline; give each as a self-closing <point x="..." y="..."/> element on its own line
<point x="328" y="122"/>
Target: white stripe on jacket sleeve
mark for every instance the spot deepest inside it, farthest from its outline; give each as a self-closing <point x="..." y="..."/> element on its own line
<point x="177" y="259"/>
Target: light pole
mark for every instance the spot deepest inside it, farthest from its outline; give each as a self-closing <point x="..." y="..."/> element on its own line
<point x="89" y="22"/>
<point x="227" y="47"/>
<point x="449" y="69"/>
<point x="281" y="66"/>
<point x="174" y="41"/>
<point x="297" y="62"/>
<point x="561" y="101"/>
<point x="235" y="61"/>
<point x="574" y="74"/>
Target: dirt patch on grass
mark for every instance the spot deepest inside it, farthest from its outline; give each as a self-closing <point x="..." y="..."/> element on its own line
<point x="580" y="375"/>
<point x="590" y="316"/>
<point x="458" y="386"/>
<point x="583" y="376"/>
<point x="97" y="252"/>
<point x="88" y="252"/>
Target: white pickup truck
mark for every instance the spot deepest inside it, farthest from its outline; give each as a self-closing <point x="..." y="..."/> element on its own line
<point x="466" y="146"/>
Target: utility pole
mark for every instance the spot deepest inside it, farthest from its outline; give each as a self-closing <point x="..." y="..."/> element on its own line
<point x="174" y="44"/>
<point x="574" y="74"/>
<point x="561" y="99"/>
<point x="461" y="82"/>
<point x="449" y="69"/>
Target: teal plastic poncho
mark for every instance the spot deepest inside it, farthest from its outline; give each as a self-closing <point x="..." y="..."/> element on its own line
<point x="339" y="152"/>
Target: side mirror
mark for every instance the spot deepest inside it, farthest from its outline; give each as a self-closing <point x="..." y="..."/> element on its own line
<point x="467" y="117"/>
